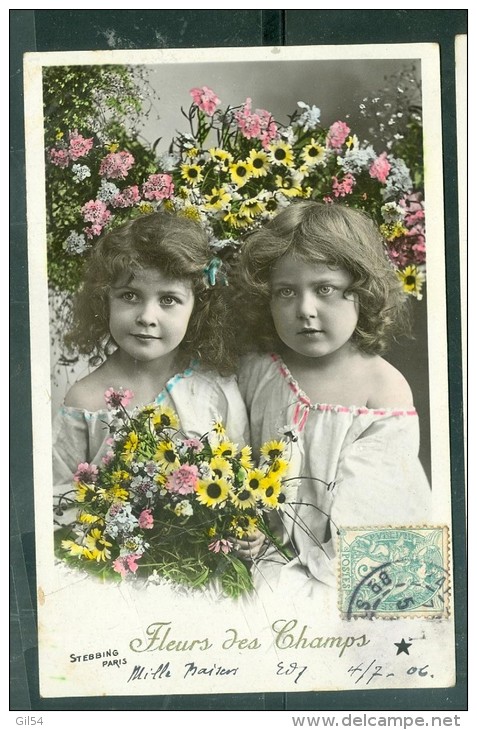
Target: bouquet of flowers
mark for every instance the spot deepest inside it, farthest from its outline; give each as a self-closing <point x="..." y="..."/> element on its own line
<point x="236" y="168"/>
<point x="166" y="507"/>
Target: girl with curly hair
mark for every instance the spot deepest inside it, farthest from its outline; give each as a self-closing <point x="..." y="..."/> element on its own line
<point x="149" y="315"/>
<point x="319" y="303"/>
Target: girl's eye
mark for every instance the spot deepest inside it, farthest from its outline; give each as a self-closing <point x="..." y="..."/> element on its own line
<point x="168" y="301"/>
<point x="285" y="293"/>
<point x="326" y="290"/>
<point x="129" y="296"/>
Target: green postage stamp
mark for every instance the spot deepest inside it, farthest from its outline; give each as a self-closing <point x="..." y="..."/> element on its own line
<point x="390" y="572"/>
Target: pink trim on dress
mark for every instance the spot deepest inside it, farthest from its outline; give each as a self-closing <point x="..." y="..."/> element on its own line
<point x="304" y="404"/>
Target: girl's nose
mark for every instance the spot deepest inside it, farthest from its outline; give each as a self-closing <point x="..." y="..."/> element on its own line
<point x="148" y="314"/>
<point x="306" y="306"/>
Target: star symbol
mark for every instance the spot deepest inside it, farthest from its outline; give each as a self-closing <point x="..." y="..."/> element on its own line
<point x="403" y="647"/>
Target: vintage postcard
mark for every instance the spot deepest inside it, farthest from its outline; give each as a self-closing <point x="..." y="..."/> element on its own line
<point x="285" y="527"/>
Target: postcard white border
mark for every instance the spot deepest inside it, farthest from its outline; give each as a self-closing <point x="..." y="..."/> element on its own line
<point x="437" y="342"/>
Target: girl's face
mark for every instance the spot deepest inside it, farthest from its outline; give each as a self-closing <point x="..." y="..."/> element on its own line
<point x="312" y="313"/>
<point x="149" y="314"/>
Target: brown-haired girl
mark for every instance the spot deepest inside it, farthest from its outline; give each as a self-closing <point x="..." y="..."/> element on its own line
<point x="320" y="301"/>
<point x="148" y="312"/>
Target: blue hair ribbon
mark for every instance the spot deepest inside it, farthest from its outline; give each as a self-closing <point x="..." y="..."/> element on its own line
<point x="213" y="272"/>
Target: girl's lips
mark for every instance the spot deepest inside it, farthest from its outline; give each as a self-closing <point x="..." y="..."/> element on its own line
<point x="145" y="337"/>
<point x="310" y="331"/>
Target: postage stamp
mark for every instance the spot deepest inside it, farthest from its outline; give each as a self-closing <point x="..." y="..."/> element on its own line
<point x="389" y="572"/>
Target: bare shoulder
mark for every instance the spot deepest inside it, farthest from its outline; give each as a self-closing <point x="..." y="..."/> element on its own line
<point x="388" y="387"/>
<point x="88" y="393"/>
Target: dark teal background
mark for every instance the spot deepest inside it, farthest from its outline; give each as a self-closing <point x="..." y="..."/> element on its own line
<point x="67" y="30"/>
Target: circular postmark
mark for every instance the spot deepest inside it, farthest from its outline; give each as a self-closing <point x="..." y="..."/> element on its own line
<point x="393" y="572"/>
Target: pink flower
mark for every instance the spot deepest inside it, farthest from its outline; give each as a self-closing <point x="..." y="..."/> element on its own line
<point x="96" y="211"/>
<point x="343" y="187"/>
<point x="337" y="134"/>
<point x="94" y="230"/>
<point x="107" y="458"/>
<point x="146" y="520"/>
<point x="220" y="546"/>
<point x="86" y="473"/>
<point x="59" y="157"/>
<point x="126" y="563"/>
<point x="195" y="444"/>
<point x="258" y="125"/>
<point x="206" y="99"/>
<point x="117" y="398"/>
<point x="413" y="205"/>
<point x="406" y="250"/>
<point x="127" y="198"/>
<point x="79" y="146"/>
<point x="419" y="248"/>
<point x="158" y="186"/>
<point x="380" y="168"/>
<point x="116" y="165"/>
<point x="183" y="480"/>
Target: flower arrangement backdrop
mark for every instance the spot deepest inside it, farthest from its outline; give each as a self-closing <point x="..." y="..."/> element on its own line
<point x="231" y="145"/>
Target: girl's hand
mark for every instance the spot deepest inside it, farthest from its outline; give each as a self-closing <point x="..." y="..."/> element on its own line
<point x="250" y="548"/>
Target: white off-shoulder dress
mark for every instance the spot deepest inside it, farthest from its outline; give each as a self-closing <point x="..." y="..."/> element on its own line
<point x="350" y="467"/>
<point x="198" y="397"/>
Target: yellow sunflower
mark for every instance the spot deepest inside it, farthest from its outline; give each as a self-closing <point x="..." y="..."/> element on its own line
<point x="273" y="450"/>
<point x="240" y="172"/>
<point x="237" y="221"/>
<point x="243" y="499"/>
<point x="130" y="446"/>
<point x="85" y="492"/>
<point x="278" y="468"/>
<point x="221" y="467"/>
<point x="288" y="185"/>
<point x="88" y="519"/>
<point x="212" y="492"/>
<point x="192" y="174"/>
<point x="97" y="546"/>
<point x="221" y="157"/>
<point x="313" y="153"/>
<point x="259" y="162"/>
<point x="251" y="207"/>
<point x="218" y="199"/>
<point x="281" y="153"/>
<point x="225" y="448"/>
<point x="164" y="417"/>
<point x="245" y="457"/>
<point x="166" y="455"/>
<point x="75" y="550"/>
<point x="254" y="479"/>
<point x="412" y="280"/>
<point x="270" y="490"/>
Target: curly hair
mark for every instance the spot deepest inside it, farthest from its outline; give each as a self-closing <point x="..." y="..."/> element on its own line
<point x="321" y="233"/>
<point x="178" y="247"/>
